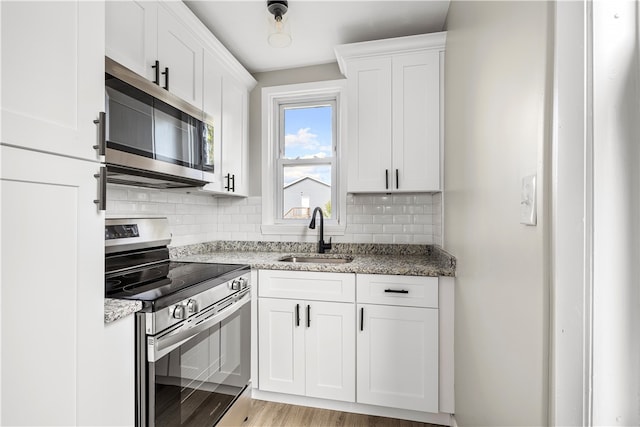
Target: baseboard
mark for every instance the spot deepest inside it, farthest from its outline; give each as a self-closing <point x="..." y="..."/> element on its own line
<point x="357" y="408"/>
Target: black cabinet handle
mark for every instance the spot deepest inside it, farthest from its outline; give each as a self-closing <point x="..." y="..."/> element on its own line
<point x="233" y="183"/>
<point x="165" y="73"/>
<point x="386" y="179"/>
<point x="396" y="291"/>
<point x="228" y="178"/>
<point x="397" y="181"/>
<point x="362" y="318"/>
<point x="156" y="67"/>
<point x="297" y="314"/>
<point x="102" y="133"/>
<point x="308" y="316"/>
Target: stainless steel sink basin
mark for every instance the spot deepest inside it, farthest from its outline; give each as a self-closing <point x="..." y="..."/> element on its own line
<point x="317" y="259"/>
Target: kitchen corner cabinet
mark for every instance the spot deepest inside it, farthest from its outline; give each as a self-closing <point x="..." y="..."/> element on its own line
<point x="139" y="33"/>
<point x="394" y="105"/>
<point x="307" y="346"/>
<point x="397" y="340"/>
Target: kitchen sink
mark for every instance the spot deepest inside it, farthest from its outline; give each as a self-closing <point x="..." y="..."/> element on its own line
<point x="317" y="259"/>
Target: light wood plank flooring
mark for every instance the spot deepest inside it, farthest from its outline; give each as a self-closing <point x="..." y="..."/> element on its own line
<point x="271" y="414"/>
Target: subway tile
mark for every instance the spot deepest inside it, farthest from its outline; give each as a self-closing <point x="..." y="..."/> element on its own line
<point x="402" y="239"/>
<point x="137" y="195"/>
<point x="422" y="239"/>
<point x="354" y="209"/>
<point x="402" y="219"/>
<point x="392" y="229"/>
<point x="382" y="238"/>
<point x="423" y="199"/>
<point x="422" y="219"/>
<point x="372" y="209"/>
<point x="363" y="219"/>
<point x="402" y="200"/>
<point x="372" y="228"/>
<point x="383" y="219"/>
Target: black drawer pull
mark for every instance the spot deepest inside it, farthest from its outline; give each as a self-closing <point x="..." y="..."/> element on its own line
<point x="297" y="314"/>
<point x="362" y="318"/>
<point x="396" y="291"/>
<point x="308" y="316"/>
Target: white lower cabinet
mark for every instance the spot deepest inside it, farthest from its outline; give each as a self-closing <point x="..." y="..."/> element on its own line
<point x="306" y="347"/>
<point x="385" y="350"/>
<point x="398" y="334"/>
<point x="398" y="357"/>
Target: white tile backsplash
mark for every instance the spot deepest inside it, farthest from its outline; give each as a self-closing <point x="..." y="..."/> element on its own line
<point x="197" y="218"/>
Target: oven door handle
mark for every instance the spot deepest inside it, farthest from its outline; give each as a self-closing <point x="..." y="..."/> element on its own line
<point x="157" y="347"/>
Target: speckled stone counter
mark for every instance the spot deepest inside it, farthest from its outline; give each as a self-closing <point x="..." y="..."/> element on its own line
<point x="115" y="309"/>
<point x="408" y="260"/>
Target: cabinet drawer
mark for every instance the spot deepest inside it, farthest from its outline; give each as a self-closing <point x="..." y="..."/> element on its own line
<point x="414" y="291"/>
<point x="307" y="285"/>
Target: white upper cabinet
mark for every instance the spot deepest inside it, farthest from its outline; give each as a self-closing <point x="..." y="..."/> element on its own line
<point x="180" y="59"/>
<point x="394" y="96"/>
<point x="131" y="35"/>
<point x="149" y="39"/>
<point x="235" y="112"/>
<point x="52" y="85"/>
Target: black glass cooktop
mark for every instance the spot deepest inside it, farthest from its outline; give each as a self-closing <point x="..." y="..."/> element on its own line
<point x="183" y="279"/>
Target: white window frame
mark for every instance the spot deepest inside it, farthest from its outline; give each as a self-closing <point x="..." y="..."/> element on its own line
<point x="272" y="99"/>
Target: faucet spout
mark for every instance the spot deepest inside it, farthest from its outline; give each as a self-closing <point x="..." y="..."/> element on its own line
<point x="322" y="246"/>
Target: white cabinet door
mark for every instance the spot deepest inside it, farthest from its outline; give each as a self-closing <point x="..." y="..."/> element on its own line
<point x="397" y="357"/>
<point x="181" y="53"/>
<point x="234" y="135"/>
<point x="330" y="350"/>
<point x="52" y="75"/>
<point x="369" y="110"/>
<point x="281" y="346"/>
<point x="52" y="261"/>
<point x="131" y="35"/>
<point x="416" y="121"/>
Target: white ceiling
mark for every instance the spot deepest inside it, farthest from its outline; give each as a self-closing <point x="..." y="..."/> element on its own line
<point x="316" y="27"/>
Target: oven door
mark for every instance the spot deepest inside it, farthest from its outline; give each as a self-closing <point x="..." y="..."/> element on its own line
<point x="196" y="382"/>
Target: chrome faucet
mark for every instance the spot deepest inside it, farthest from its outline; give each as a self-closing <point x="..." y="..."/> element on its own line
<point x="322" y="246"/>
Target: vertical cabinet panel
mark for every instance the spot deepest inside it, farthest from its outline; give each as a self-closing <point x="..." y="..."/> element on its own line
<point x="416" y="121"/>
<point x="52" y="75"/>
<point x="330" y="350"/>
<point x="281" y="344"/>
<point x="212" y="107"/>
<point x="369" y="91"/>
<point x="59" y="343"/>
<point x="398" y="357"/>
<point x="131" y="33"/>
<point x="234" y="133"/>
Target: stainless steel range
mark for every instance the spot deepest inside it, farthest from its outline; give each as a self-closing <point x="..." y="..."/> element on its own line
<point x="193" y="334"/>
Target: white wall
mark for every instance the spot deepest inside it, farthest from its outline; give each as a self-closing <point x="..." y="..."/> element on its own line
<point x="616" y="214"/>
<point x="497" y="86"/>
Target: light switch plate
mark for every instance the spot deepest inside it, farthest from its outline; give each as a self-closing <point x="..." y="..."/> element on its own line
<point x="528" y="201"/>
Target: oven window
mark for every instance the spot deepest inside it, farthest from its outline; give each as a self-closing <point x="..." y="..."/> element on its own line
<point x="197" y="382"/>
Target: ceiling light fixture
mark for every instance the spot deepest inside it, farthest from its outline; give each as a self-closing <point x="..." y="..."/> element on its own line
<point x="279" y="32"/>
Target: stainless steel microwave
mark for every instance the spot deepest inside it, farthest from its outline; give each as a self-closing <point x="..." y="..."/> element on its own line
<point x="153" y="138"/>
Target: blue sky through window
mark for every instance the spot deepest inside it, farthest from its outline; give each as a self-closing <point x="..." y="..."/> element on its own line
<point x="308" y="135"/>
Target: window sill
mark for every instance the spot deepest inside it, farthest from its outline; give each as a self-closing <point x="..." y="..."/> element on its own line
<point x="302" y="230"/>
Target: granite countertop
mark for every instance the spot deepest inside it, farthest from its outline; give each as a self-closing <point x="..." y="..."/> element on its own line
<point x="115" y="309"/>
<point x="407" y="260"/>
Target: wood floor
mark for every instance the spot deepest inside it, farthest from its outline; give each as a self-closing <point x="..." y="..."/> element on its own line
<point x="271" y="414"/>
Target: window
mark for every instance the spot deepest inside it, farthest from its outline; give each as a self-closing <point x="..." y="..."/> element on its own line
<point x="302" y="126"/>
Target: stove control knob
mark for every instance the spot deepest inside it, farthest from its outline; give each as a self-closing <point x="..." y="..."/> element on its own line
<point x="192" y="307"/>
<point x="243" y="283"/>
<point x="179" y="312"/>
<point x="235" y="285"/>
